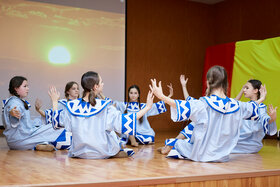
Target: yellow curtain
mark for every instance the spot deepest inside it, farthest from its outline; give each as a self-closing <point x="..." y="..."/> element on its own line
<point x="258" y="59"/>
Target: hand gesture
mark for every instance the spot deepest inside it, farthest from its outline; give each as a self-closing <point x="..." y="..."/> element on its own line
<point x="156" y="90"/>
<point x="263" y="92"/>
<point x="150" y="99"/>
<point x="170" y="90"/>
<point x="53" y="93"/>
<point x="272" y="113"/>
<point x="183" y="80"/>
<point x="38" y="104"/>
<point x="15" y="113"/>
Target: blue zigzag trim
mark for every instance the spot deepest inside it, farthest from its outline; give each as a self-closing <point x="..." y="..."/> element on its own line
<point x="48" y="116"/>
<point x="187" y="132"/>
<point x="129" y="124"/>
<point x="171" y="141"/>
<point x="223" y="106"/>
<point x="161" y="107"/>
<point x="183" y="110"/>
<point x="55" y="119"/>
<point x="145" y="139"/>
<point x="81" y="108"/>
<point x="255" y="113"/>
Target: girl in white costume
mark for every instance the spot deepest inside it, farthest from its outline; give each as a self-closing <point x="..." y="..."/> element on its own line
<point x="20" y="131"/>
<point x="144" y="133"/>
<point x="93" y="122"/>
<point x="71" y="92"/>
<point x="217" y="119"/>
<point x="252" y="132"/>
<point x="186" y="133"/>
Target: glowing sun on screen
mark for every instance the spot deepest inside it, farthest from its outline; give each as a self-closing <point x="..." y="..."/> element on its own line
<point x="59" y="55"/>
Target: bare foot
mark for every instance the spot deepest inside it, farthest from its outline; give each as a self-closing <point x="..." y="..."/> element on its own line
<point x="134" y="144"/>
<point x="133" y="141"/>
<point x="44" y="147"/>
<point x="159" y="149"/>
<point x="121" y="154"/>
<point x="165" y="150"/>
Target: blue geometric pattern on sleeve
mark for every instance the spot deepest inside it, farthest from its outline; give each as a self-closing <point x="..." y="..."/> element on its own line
<point x="187" y="132"/>
<point x="48" y="114"/>
<point x="145" y="139"/>
<point x="63" y="141"/>
<point x="128" y="151"/>
<point x="161" y="107"/>
<point x="63" y="101"/>
<point x="129" y="124"/>
<point x="175" y="154"/>
<point x="170" y="142"/>
<point x="189" y="98"/>
<point x="55" y="119"/>
<point x="183" y="110"/>
<point x="134" y="106"/>
<point x="81" y="108"/>
<point x="261" y="105"/>
<point x="265" y="125"/>
<point x="221" y="105"/>
<point x="255" y="112"/>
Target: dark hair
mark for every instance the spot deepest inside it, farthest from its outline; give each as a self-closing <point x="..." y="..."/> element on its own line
<point x="128" y="99"/>
<point x="68" y="87"/>
<point x="256" y="85"/>
<point x="16" y="82"/>
<point x="217" y="77"/>
<point x="89" y="79"/>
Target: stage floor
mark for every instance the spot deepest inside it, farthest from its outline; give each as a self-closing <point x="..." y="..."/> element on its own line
<point x="146" y="167"/>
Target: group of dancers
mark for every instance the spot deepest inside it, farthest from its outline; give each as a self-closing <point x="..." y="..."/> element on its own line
<point x="95" y="127"/>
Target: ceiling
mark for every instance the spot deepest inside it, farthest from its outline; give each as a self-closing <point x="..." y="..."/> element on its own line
<point x="210" y="2"/>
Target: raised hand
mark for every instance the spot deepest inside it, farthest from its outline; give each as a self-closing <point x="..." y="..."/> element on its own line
<point x="150" y="99"/>
<point x="38" y="104"/>
<point x="183" y="80"/>
<point x="272" y="113"/>
<point x="263" y="93"/>
<point x="15" y="113"/>
<point x="170" y="90"/>
<point x="53" y="93"/>
<point x="157" y="90"/>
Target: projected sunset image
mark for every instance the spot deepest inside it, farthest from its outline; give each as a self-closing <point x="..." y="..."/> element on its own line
<point x="53" y="44"/>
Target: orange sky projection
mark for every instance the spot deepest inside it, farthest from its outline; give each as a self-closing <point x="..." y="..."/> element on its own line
<point x="95" y="39"/>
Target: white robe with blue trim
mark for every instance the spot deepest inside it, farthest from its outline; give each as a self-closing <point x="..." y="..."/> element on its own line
<point x="93" y="128"/>
<point x="23" y="133"/>
<point x="253" y="132"/>
<point x="144" y="132"/>
<point x="217" y="123"/>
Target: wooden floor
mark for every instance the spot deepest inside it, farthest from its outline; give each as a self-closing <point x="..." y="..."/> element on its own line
<point x="147" y="167"/>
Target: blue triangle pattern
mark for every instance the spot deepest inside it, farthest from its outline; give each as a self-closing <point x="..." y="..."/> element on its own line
<point x="216" y="103"/>
<point x="71" y="105"/>
<point x="83" y="104"/>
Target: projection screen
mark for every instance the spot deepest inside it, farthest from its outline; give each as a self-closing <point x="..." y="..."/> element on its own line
<point x="53" y="44"/>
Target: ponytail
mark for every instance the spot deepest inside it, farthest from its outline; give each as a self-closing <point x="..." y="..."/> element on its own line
<point x="91" y="98"/>
<point x="88" y="81"/>
<point x="216" y="78"/>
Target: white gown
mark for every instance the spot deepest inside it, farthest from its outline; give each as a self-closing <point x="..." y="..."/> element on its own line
<point x="253" y="132"/>
<point x="144" y="132"/>
<point x="93" y="128"/>
<point x="24" y="133"/>
<point x="216" y="130"/>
